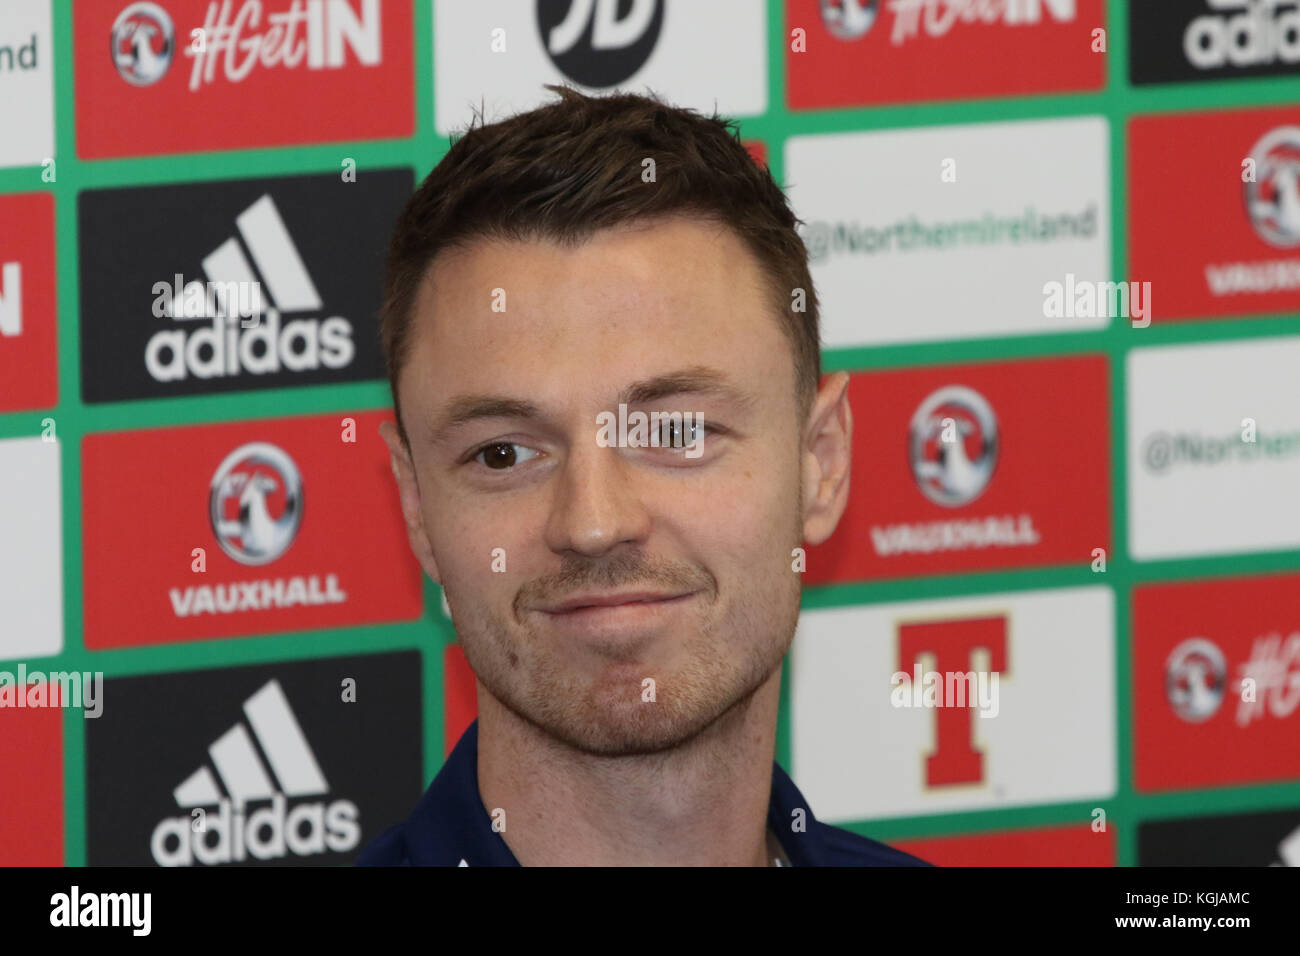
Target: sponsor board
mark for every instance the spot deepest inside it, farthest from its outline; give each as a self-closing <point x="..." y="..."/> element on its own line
<point x="277" y="764"/>
<point x="26" y="84"/>
<point x="31" y="558"/>
<point x="28" y="313"/>
<point x="198" y="75"/>
<point x="955" y="231"/>
<point x="869" y="52"/>
<point x="1213" y="470"/>
<point x="1216" y="677"/>
<point x="1051" y="741"/>
<point x="673" y="47"/>
<point x="963" y="467"/>
<point x="31" y="786"/>
<point x="313" y="247"/>
<point x="1232" y="839"/>
<point x="1074" y="845"/>
<point x="272" y="504"/>
<point x="1214" y="211"/>
<point x="1212" y="39"/>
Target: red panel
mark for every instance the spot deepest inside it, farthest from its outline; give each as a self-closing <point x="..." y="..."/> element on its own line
<point x="1051" y="480"/>
<point x="145" y="499"/>
<point x="240" y="92"/>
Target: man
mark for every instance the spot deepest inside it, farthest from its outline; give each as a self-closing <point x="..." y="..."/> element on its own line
<point x="624" y="599"/>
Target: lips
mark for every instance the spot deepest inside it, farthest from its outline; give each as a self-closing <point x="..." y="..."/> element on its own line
<point x="615" y="599"/>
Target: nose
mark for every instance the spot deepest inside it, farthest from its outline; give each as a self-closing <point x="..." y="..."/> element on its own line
<point x="597" y="504"/>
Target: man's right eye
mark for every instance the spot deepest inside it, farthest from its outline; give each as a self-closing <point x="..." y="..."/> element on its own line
<point x="501" y="456"/>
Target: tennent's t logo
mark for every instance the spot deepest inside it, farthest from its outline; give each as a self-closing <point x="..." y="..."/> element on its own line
<point x="953" y="644"/>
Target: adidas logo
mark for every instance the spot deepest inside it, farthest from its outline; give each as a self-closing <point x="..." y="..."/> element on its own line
<point x="1288" y="850"/>
<point x="230" y="347"/>
<point x="271" y="832"/>
<point x="11" y="298"/>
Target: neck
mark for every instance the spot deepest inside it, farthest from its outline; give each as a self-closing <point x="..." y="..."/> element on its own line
<point x="703" y="803"/>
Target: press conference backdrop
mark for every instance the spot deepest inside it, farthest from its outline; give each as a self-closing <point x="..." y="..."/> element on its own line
<point x="1057" y="245"/>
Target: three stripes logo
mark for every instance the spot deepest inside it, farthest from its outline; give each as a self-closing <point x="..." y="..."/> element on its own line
<point x="274" y="763"/>
<point x="229" y="344"/>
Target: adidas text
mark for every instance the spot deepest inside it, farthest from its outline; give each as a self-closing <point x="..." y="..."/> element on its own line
<point x="268" y="833"/>
<point x="225" y="349"/>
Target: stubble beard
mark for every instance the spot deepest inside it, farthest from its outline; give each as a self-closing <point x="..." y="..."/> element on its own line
<point x="604" y="715"/>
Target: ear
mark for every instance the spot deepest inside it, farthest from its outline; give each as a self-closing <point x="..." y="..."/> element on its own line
<point x="409" y="489"/>
<point x="827" y="455"/>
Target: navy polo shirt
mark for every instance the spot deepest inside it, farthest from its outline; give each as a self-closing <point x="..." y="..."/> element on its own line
<point x="449" y="826"/>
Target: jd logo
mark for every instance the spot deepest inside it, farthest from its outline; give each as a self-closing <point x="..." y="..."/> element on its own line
<point x="599" y="43"/>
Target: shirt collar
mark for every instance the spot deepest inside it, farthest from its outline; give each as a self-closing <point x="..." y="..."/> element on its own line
<point x="451" y="827"/>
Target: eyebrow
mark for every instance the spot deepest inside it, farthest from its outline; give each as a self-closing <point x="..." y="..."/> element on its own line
<point x="697" y="380"/>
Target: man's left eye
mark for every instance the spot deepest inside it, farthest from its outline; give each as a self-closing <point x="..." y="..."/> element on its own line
<point x="673" y="434"/>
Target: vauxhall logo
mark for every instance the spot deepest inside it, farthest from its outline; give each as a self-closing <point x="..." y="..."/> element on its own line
<point x="849" y="19"/>
<point x="1195" y="678"/>
<point x="953" y="445"/>
<point x="599" y="43"/>
<point x="245" y="485"/>
<point x="255" y="506"/>
<point x="143" y="40"/>
<point x="1272" y="195"/>
<point x="299" y="821"/>
<point x="225" y="343"/>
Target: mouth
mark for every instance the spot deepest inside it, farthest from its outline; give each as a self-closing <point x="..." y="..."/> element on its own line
<point x="612" y="613"/>
<point x="587" y="602"/>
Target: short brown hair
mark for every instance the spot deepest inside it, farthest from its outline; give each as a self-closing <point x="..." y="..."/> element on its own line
<point x="563" y="171"/>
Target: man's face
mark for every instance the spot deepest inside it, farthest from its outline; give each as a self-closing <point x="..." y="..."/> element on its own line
<point x="519" y="510"/>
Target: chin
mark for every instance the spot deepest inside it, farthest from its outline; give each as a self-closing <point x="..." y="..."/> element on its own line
<point x="617" y="722"/>
<point x="624" y="725"/>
